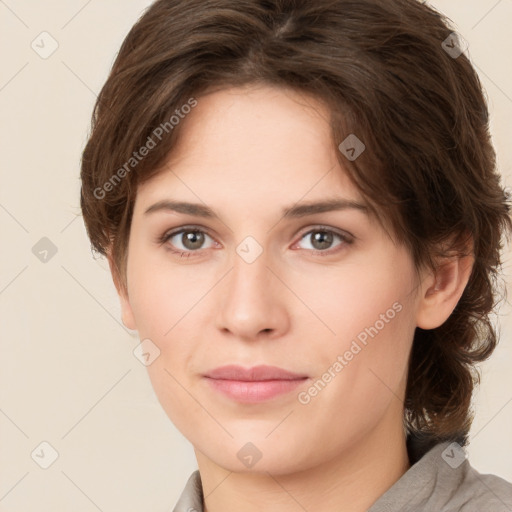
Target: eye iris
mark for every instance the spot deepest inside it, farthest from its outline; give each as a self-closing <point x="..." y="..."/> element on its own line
<point x="192" y="239"/>
<point x="324" y="238"/>
<point x="195" y="239"/>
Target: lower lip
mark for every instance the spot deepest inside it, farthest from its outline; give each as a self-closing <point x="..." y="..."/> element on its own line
<point x="254" y="391"/>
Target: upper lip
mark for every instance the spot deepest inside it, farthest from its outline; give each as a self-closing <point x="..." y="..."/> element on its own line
<point x="256" y="373"/>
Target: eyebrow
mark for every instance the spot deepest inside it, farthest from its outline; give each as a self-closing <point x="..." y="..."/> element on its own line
<point x="295" y="211"/>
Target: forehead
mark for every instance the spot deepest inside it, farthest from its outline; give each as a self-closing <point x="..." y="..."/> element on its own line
<point x="256" y="142"/>
<point x="256" y="123"/>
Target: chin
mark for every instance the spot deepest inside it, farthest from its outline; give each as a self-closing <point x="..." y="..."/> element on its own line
<point x="259" y="457"/>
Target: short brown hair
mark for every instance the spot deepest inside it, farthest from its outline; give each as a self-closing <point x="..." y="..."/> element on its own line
<point x="383" y="69"/>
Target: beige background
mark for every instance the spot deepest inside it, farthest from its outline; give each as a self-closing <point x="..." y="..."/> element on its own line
<point x="67" y="372"/>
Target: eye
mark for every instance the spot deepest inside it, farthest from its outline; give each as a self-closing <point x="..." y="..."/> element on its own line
<point x="190" y="239"/>
<point x="185" y="240"/>
<point x="322" y="240"/>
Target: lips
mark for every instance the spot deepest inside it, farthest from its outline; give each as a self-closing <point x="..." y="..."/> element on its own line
<point x="256" y="373"/>
<point x="253" y="385"/>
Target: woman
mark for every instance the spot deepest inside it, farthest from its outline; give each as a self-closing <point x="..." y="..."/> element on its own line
<point x="303" y="219"/>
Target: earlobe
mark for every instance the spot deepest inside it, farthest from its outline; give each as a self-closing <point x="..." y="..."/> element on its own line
<point x="443" y="291"/>
<point x="126" y="309"/>
<point x="126" y="312"/>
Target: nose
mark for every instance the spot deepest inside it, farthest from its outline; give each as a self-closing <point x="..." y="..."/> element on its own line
<point x="252" y="301"/>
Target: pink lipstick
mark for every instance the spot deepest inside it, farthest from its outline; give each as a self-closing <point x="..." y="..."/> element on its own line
<point x="253" y="385"/>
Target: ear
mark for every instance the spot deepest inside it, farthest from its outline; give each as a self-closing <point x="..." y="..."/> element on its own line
<point x="126" y="309"/>
<point x="442" y="290"/>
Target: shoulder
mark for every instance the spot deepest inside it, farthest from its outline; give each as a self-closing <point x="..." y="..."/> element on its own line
<point x="474" y="492"/>
<point x="443" y="480"/>
<point x="461" y="488"/>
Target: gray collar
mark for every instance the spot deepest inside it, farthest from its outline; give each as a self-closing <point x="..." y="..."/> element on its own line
<point x="442" y="479"/>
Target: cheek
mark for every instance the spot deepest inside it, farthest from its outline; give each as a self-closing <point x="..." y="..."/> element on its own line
<point x="383" y="322"/>
<point x="153" y="312"/>
<point x="365" y="301"/>
<point x="160" y="294"/>
<point x="161" y="300"/>
<point x="370" y="312"/>
<point x="166" y="302"/>
<point x="358" y="381"/>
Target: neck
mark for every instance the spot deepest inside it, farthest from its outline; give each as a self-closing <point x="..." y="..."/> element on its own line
<point x="356" y="478"/>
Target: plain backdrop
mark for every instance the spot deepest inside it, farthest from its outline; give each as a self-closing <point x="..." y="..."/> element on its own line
<point x="67" y="373"/>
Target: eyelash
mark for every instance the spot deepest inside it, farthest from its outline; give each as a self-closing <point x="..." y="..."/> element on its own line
<point x="347" y="239"/>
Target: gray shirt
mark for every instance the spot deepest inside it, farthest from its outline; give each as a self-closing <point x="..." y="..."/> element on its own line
<point x="442" y="480"/>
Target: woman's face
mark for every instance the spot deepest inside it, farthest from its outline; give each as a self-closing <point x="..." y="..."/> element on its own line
<point x="262" y="280"/>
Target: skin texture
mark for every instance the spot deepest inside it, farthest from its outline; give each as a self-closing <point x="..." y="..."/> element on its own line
<point x="248" y="153"/>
